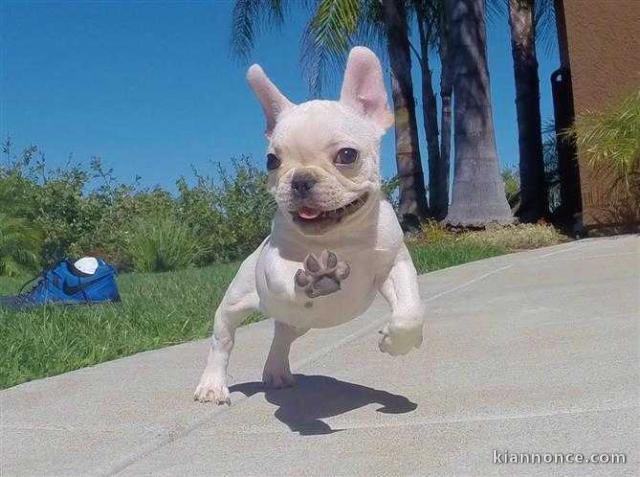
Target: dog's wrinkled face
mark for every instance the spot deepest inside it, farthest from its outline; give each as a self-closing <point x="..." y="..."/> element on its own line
<point x="323" y="156"/>
<point x="327" y="160"/>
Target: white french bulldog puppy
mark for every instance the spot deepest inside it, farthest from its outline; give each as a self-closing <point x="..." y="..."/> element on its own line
<point x="335" y="241"/>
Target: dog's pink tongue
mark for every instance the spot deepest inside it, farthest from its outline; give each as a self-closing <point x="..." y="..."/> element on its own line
<point x="308" y="213"/>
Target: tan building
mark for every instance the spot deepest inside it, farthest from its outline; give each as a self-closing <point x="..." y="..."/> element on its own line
<point x="600" y="54"/>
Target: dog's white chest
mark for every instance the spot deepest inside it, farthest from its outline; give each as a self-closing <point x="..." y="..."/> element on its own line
<point x="282" y="300"/>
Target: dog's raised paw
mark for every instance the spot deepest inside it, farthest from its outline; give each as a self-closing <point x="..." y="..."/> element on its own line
<point x="321" y="276"/>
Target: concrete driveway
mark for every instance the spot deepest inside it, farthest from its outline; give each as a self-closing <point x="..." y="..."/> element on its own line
<point x="535" y="352"/>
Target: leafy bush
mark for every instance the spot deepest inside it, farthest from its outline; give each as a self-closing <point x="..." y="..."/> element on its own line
<point x="610" y="140"/>
<point x="161" y="244"/>
<point x="122" y="212"/>
<point x="230" y="216"/>
<point x="54" y="202"/>
<point x="511" y="179"/>
<point x="19" y="246"/>
<point x="390" y="189"/>
<point x="87" y="211"/>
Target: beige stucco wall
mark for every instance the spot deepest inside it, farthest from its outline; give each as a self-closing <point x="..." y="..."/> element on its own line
<point x="603" y="46"/>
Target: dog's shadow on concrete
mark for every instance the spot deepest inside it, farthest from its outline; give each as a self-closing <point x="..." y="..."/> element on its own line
<point x="314" y="398"/>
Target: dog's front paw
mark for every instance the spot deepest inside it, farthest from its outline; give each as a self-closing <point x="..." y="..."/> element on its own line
<point x="321" y="276"/>
<point x="399" y="340"/>
<point x="212" y="389"/>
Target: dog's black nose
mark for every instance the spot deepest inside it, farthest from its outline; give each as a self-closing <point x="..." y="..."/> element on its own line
<point x="302" y="183"/>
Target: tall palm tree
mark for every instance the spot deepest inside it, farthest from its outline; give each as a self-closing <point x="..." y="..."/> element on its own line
<point x="332" y="28"/>
<point x="428" y="17"/>
<point x="478" y="190"/>
<point x="413" y="200"/>
<point x="533" y="188"/>
<point x="446" y="94"/>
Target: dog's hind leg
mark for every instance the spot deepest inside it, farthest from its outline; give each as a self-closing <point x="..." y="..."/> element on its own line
<point x="239" y="301"/>
<point x="277" y="373"/>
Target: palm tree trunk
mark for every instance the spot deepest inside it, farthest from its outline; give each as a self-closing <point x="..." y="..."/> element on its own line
<point x="413" y="205"/>
<point x="446" y="91"/>
<point x="478" y="190"/>
<point x="438" y="188"/>
<point x="533" y="190"/>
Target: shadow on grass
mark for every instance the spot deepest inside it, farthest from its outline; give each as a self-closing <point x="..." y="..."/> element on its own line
<point x="314" y="398"/>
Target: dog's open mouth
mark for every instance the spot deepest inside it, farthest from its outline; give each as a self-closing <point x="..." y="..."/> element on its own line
<point x="309" y="215"/>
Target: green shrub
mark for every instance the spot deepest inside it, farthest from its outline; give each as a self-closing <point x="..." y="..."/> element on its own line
<point x="612" y="137"/>
<point x="86" y="211"/>
<point x="390" y="189"/>
<point x="161" y="243"/>
<point x="511" y="179"/>
<point x="230" y="216"/>
<point x="19" y="246"/>
<point x="125" y="208"/>
<point x="610" y="140"/>
<point x="54" y="201"/>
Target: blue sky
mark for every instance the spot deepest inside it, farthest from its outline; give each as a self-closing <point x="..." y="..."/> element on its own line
<point x="151" y="88"/>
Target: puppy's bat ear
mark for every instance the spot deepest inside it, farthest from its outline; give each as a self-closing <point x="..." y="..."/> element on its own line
<point x="363" y="87"/>
<point x="272" y="100"/>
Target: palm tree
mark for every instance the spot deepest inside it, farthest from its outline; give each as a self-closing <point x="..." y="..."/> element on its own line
<point x="413" y="200"/>
<point x="330" y="32"/>
<point x="431" y="28"/>
<point x="446" y="93"/>
<point x="478" y="190"/>
<point x="533" y="188"/>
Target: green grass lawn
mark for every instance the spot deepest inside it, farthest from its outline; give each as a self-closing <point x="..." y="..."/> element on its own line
<point x="157" y="310"/>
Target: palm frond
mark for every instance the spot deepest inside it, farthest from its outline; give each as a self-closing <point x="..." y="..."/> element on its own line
<point x="545" y="25"/>
<point x="251" y="17"/>
<point x="612" y="137"/>
<point x="327" y="39"/>
<point x="495" y="10"/>
<point x="371" y="30"/>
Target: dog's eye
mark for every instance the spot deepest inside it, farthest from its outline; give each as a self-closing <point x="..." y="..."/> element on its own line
<point x="346" y="156"/>
<point x="273" y="162"/>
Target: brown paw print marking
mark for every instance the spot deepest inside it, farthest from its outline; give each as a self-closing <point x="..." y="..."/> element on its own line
<point x="321" y="276"/>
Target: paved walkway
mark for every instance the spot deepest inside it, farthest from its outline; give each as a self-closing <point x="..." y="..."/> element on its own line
<point x="530" y="352"/>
